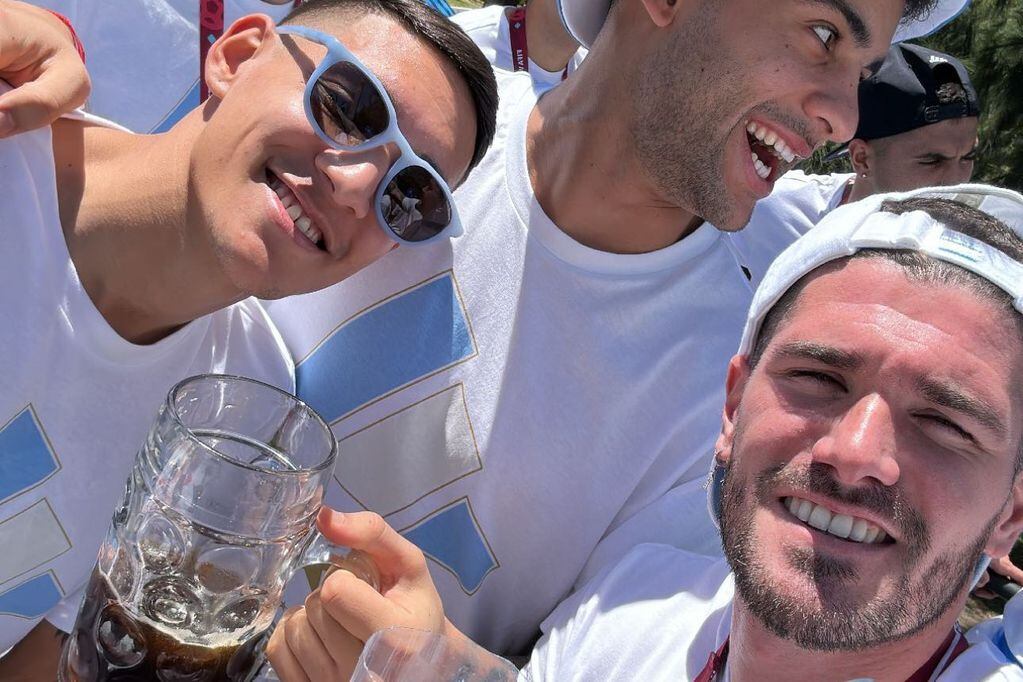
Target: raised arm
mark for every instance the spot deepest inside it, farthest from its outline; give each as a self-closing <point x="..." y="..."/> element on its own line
<point x="41" y="58"/>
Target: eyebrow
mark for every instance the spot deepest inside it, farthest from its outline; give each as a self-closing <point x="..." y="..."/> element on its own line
<point x="818" y="352"/>
<point x="858" y="27"/>
<point x="953" y="397"/>
<point x="427" y="159"/>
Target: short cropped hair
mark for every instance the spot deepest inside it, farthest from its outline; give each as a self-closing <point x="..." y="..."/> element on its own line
<point x="442" y="34"/>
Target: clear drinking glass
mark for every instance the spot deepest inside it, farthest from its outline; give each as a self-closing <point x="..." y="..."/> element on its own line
<point x="219" y="511"/>
<point x="407" y="655"/>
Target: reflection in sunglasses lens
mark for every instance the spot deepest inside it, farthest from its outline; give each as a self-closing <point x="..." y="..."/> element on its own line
<point x="347" y="106"/>
<point x="414" y="205"/>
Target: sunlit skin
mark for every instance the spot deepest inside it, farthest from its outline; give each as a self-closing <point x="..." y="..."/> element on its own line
<point x="842" y="386"/>
<point x="934" y="155"/>
<point x="697" y="72"/>
<point x="187" y="215"/>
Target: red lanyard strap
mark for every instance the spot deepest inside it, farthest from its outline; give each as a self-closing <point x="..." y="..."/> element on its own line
<point x="211" y="27"/>
<point x="954" y="645"/>
<point x="517" y="38"/>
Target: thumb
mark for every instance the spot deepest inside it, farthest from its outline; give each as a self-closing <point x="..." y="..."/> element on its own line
<point x="62" y="86"/>
<point x="397" y="558"/>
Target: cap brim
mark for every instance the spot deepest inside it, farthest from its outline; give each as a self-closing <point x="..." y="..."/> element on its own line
<point x="583" y="19"/>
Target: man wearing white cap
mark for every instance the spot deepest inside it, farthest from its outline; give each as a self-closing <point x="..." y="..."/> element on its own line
<point x="531" y="400"/>
<point x="859" y="425"/>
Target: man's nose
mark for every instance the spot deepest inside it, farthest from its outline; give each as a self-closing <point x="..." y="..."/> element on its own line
<point x="833" y="107"/>
<point x="354" y="176"/>
<point x="861" y="444"/>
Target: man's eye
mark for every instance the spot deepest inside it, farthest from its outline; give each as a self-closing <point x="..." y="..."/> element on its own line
<point x="949" y="426"/>
<point x="819" y="378"/>
<point x="826" y="34"/>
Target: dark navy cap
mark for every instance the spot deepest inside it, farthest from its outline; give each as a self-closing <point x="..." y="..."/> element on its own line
<point x="903" y="94"/>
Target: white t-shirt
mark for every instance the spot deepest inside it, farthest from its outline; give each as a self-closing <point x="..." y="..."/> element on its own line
<point x="797" y="203"/>
<point x="660" y="614"/>
<point x="488" y="28"/>
<point x="78" y="399"/>
<point x="143" y="55"/>
<point x="524" y="408"/>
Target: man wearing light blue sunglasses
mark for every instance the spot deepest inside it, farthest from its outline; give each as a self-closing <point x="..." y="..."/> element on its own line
<point x="128" y="258"/>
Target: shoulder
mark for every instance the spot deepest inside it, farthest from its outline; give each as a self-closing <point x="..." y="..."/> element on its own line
<point x="479" y="19"/>
<point x="816" y="190"/>
<point x="656" y="604"/>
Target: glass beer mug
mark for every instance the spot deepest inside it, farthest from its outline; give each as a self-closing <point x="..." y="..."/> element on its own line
<point x="218" y="512"/>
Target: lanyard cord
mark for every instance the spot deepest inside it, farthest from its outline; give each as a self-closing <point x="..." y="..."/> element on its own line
<point x="517" y="40"/>
<point x="951" y="648"/>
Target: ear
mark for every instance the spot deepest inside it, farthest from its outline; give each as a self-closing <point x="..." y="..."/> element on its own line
<point x="236" y="47"/>
<point x="661" y="12"/>
<point x="1010" y="523"/>
<point x="735" y="383"/>
<point x="861" y="156"/>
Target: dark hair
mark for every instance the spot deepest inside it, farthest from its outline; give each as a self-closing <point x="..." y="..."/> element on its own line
<point x="917" y="9"/>
<point x="954" y="215"/>
<point x="442" y="34"/>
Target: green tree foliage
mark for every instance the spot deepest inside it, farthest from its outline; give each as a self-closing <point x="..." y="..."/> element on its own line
<point x="988" y="38"/>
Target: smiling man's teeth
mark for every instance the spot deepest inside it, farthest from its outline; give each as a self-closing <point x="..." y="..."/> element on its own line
<point x="840" y="525"/>
<point x="772" y="141"/>
<point x="763" y="170"/>
<point x="294" y="210"/>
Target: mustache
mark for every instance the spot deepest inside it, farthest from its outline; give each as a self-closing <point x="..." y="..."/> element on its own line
<point x="886" y="502"/>
<point x="795" y="124"/>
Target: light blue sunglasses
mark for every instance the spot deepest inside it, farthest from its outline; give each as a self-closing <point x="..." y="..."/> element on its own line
<point x="350" y="109"/>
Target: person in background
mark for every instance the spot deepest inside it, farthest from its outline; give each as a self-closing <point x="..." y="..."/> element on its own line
<point x="130" y="259"/>
<point x="529" y="38"/>
<point x="918" y="128"/>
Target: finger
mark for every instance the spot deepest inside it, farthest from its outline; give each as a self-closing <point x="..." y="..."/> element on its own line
<point x="281" y="658"/>
<point x="1004" y="566"/>
<point x="395" y="557"/>
<point x="63" y="86"/>
<point x="307" y="647"/>
<point x="341" y="645"/>
<point x="358" y="608"/>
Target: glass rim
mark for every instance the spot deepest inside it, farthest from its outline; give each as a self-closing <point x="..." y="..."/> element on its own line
<point x="172" y="409"/>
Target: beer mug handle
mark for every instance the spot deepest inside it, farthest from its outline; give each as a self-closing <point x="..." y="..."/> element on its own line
<point x="322" y="557"/>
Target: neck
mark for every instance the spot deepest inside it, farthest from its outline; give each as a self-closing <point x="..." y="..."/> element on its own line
<point x="550" y="45"/>
<point x="142" y="257"/>
<point x="755" y="653"/>
<point x="584" y="169"/>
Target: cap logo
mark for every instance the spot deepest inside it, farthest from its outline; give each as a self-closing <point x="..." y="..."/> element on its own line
<point x="960" y="245"/>
<point x="935" y="59"/>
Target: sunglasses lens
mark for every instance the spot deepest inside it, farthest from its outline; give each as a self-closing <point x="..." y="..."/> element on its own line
<point x="414" y="205"/>
<point x="347" y="106"/>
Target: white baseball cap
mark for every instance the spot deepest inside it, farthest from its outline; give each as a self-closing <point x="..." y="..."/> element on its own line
<point x="583" y="19"/>
<point x="864" y="225"/>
